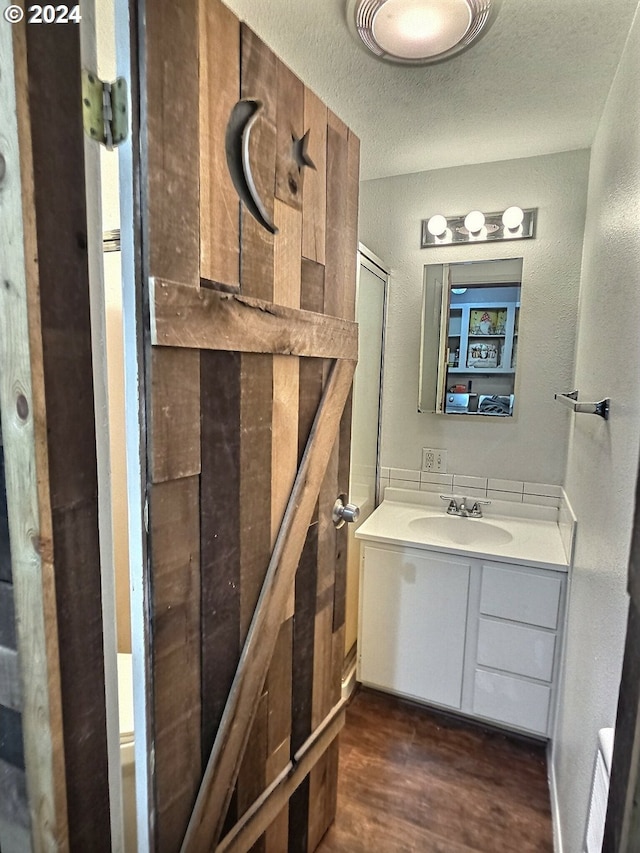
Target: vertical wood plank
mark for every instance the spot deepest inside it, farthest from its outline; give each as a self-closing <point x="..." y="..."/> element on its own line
<point x="41" y="731"/>
<point x="351" y="225"/>
<point x="279" y="687"/>
<point x="327" y="533"/>
<point x="314" y="205"/>
<point x="284" y="464"/>
<point x="220" y="535"/>
<point x="302" y="690"/>
<point x="75" y="537"/>
<point x="258" y="79"/>
<point x="337" y="665"/>
<point x="175" y="413"/>
<point x="290" y="105"/>
<point x="312" y="286"/>
<point x="322" y="659"/>
<point x="323" y="794"/>
<point x="287" y="247"/>
<point x="311" y="383"/>
<point x="174" y="528"/>
<point x="337" y="216"/>
<point x="172" y="116"/>
<point x="255" y="529"/>
<point x="219" y="92"/>
<point x="286" y="370"/>
<point x="171" y="220"/>
<point x="253" y="770"/>
<point x="303" y="642"/>
<point x="256" y="407"/>
<point x="60" y="217"/>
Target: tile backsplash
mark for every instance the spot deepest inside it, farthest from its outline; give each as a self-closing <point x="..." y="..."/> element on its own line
<point x="542" y="494"/>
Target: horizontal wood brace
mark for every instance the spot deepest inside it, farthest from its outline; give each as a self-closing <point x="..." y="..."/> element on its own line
<point x="271" y="802"/>
<point x="200" y="318"/>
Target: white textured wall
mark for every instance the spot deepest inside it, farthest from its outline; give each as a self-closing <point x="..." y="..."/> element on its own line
<point x="603" y="457"/>
<point x="531" y="446"/>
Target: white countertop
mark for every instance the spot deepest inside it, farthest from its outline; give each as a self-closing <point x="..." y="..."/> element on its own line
<point x="535" y="541"/>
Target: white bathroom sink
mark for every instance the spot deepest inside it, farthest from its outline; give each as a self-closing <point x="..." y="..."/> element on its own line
<point x="461" y="531"/>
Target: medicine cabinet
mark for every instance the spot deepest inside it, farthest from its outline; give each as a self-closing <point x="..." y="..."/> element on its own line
<point x="470" y="329"/>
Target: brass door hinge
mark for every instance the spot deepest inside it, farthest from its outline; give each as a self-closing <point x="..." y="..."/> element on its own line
<point x="105" y="115"/>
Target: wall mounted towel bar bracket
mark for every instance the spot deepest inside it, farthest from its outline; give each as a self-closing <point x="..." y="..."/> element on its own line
<point x="571" y="400"/>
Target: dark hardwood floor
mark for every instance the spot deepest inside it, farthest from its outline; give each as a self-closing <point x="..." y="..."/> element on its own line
<point x="413" y="780"/>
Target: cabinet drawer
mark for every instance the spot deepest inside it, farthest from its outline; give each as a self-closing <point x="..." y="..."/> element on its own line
<point x="523" y="596"/>
<point x="512" y="700"/>
<point x="516" y="648"/>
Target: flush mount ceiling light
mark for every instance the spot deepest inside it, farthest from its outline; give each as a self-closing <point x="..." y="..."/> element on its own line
<point x="419" y="32"/>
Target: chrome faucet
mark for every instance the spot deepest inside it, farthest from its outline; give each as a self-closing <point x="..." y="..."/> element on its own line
<point x="462" y="508"/>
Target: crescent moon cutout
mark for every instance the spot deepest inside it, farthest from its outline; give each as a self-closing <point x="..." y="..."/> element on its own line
<point x="243" y="117"/>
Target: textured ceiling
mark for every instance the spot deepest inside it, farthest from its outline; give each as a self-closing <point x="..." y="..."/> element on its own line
<point x="536" y="83"/>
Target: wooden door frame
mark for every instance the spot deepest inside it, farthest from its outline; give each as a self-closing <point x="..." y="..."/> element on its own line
<point x="21" y="397"/>
<point x="52" y="307"/>
<point x="98" y="320"/>
<point x="134" y="309"/>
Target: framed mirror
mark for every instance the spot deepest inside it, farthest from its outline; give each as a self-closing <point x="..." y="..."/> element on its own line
<point x="470" y="328"/>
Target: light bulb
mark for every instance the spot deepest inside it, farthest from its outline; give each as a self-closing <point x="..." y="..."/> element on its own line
<point x="413" y="29"/>
<point x="474" y="221"/>
<point x="437" y="225"/>
<point x="512" y="218"/>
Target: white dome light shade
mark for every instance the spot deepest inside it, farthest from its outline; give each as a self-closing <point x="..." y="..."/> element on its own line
<point x="474" y="221"/>
<point x="512" y="218"/>
<point x="414" y="29"/>
<point x="437" y="225"/>
<point x="419" y="32"/>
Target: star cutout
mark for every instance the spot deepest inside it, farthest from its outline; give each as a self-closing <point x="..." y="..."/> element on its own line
<point x="300" y="151"/>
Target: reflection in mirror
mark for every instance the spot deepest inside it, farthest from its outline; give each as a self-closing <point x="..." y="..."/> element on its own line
<point x="470" y="323"/>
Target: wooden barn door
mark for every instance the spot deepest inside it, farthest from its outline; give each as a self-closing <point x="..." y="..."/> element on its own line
<point x="250" y="348"/>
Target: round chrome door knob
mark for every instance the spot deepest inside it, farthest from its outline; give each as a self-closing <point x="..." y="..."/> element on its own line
<point x="343" y="513"/>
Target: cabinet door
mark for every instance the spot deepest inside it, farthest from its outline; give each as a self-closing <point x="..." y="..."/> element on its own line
<point x="413" y="623"/>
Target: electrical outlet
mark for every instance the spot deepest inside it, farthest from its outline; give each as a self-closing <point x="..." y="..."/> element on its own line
<point x="434" y="460"/>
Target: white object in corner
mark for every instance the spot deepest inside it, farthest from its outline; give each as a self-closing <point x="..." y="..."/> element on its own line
<point x="599" y="792"/>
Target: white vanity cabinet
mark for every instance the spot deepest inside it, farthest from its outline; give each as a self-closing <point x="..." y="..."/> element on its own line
<point x="460" y="632"/>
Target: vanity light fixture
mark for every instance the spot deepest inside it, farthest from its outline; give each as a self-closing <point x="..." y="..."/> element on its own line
<point x="419" y="32"/>
<point x="514" y="223"/>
